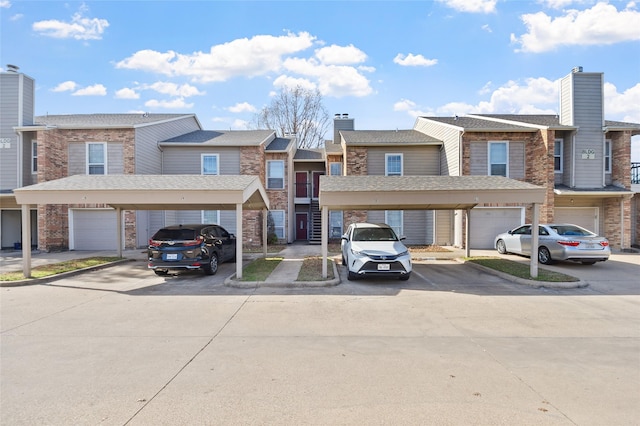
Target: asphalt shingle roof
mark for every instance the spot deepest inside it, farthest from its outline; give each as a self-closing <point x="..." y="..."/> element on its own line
<point x="279" y="144"/>
<point x="97" y="121"/>
<point x="386" y="137"/>
<point x="309" y="154"/>
<point x="221" y="138"/>
<point x="478" y="124"/>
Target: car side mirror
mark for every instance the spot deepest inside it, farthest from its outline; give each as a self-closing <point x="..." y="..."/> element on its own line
<point x="344" y="237"/>
<point x="403" y="237"/>
<point x="231" y="236"/>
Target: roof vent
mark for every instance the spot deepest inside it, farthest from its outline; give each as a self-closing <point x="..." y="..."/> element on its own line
<point x="576" y="69"/>
<point x="12" y="68"/>
<point x="345" y="115"/>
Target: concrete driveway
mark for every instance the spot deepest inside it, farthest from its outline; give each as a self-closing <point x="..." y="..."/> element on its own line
<point x="453" y="345"/>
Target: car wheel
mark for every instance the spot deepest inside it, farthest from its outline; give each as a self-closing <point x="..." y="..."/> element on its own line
<point x="351" y="276"/>
<point x="405" y="277"/>
<point x="161" y="272"/>
<point x="544" y="256"/>
<point x="501" y="247"/>
<point x="590" y="262"/>
<point x="212" y="266"/>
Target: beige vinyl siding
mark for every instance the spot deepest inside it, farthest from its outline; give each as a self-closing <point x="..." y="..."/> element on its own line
<point x="78" y="158"/>
<point x="148" y="158"/>
<point x="566" y="107"/>
<point x="187" y="160"/>
<point x="417" y="225"/>
<point x="443" y="227"/>
<point x="479" y="163"/>
<point x="450" y="158"/>
<point x="417" y="161"/>
<point x="9" y="117"/>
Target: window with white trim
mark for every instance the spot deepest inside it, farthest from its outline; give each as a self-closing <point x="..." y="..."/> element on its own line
<point x="395" y="219"/>
<point x="211" y="216"/>
<point x="335" y="223"/>
<point x="498" y="156"/>
<point x="557" y="155"/>
<point x="96" y="158"/>
<point x="278" y="222"/>
<point x="607" y="156"/>
<point x="209" y="164"/>
<point x="393" y="164"/>
<point x="335" y="169"/>
<point x="275" y="174"/>
<point x="34" y="156"/>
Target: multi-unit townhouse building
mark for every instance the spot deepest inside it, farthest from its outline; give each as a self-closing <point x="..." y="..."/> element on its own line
<point x="582" y="160"/>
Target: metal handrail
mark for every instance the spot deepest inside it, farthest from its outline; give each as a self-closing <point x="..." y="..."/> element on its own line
<point x="635" y="173"/>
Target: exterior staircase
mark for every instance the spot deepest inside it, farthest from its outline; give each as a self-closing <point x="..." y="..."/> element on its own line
<point x="315" y="233"/>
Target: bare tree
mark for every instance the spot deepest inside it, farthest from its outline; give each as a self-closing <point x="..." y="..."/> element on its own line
<point x="296" y="111"/>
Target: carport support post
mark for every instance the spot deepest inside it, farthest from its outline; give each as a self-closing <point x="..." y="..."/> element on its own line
<point x="26" y="240"/>
<point x="467" y="237"/>
<point x="120" y="230"/>
<point x="535" y="220"/>
<point x="239" y="241"/>
<point x="325" y="240"/>
<point x="265" y="231"/>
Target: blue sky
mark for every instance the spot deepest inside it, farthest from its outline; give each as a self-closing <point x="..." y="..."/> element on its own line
<point x="382" y="62"/>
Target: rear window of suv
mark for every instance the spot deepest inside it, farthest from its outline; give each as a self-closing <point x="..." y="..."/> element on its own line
<point x="175" y="235"/>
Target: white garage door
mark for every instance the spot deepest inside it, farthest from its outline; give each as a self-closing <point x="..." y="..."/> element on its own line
<point x="587" y="217"/>
<point x="486" y="223"/>
<point x="93" y="230"/>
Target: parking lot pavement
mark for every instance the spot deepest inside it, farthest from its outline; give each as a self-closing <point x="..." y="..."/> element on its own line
<point x="453" y="345"/>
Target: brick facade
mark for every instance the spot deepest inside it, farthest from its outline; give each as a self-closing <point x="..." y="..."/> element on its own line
<point x="54" y="163"/>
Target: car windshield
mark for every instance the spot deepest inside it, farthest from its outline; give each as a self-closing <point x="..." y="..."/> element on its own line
<point x="572" y="230"/>
<point x="374" y="234"/>
<point x="175" y="235"/>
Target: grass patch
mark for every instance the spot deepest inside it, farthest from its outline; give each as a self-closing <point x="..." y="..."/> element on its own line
<point x="312" y="269"/>
<point x="520" y="270"/>
<point x="259" y="269"/>
<point x="432" y="248"/>
<point x="271" y="248"/>
<point x="58" y="268"/>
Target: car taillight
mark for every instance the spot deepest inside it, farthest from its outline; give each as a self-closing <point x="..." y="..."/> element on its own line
<point x="154" y="243"/>
<point x="604" y="243"/>
<point x="195" y="242"/>
<point x="569" y="243"/>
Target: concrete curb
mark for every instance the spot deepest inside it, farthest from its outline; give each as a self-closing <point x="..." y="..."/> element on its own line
<point x="45" y="280"/>
<point x="530" y="283"/>
<point x="232" y="282"/>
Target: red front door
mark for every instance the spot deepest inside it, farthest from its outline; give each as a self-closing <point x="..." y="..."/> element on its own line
<point x="316" y="183"/>
<point x="301" y="226"/>
<point x="302" y="185"/>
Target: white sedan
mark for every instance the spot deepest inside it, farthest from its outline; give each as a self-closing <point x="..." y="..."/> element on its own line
<point x="374" y="250"/>
<point x="556" y="242"/>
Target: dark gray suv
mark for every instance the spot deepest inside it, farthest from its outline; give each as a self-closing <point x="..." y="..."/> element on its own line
<point x="198" y="246"/>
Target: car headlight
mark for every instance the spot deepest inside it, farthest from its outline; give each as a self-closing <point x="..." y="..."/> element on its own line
<point x="404" y="253"/>
<point x="357" y="253"/>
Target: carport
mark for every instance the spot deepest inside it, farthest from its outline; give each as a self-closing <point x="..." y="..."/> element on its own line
<point x="148" y="192"/>
<point x="425" y="193"/>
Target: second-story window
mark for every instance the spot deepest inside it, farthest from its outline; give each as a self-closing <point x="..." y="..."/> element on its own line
<point x="97" y="158"/>
<point x="335" y="169"/>
<point x="498" y="155"/>
<point x="393" y="164"/>
<point x="275" y="174"/>
<point x="607" y="156"/>
<point x="210" y="164"/>
<point x="557" y="155"/>
<point x="34" y="157"/>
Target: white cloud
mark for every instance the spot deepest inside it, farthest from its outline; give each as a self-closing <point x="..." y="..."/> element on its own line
<point x="242" y="107"/>
<point x="340" y="55"/>
<point x="177" y="103"/>
<point x="410" y="108"/>
<point x="332" y="80"/>
<point x="172" y="89"/>
<point x="5" y="4"/>
<point x="95" y="90"/>
<point x="412" y="60"/>
<point x="65" y="86"/>
<point x="252" y="57"/>
<point x="471" y="6"/>
<point x="79" y="28"/>
<point x="487" y="28"/>
<point x="16" y="17"/>
<point x="602" y="24"/>
<point x="622" y="106"/>
<point x="127" y="93"/>
<point x="292" y="82"/>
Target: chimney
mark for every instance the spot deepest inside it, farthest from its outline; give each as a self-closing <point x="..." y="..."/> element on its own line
<point x="12" y="68"/>
<point x="341" y="122"/>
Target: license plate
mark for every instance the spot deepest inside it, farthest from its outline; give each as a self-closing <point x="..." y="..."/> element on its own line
<point x="172" y="256"/>
<point x="590" y="246"/>
<point x="383" y="266"/>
